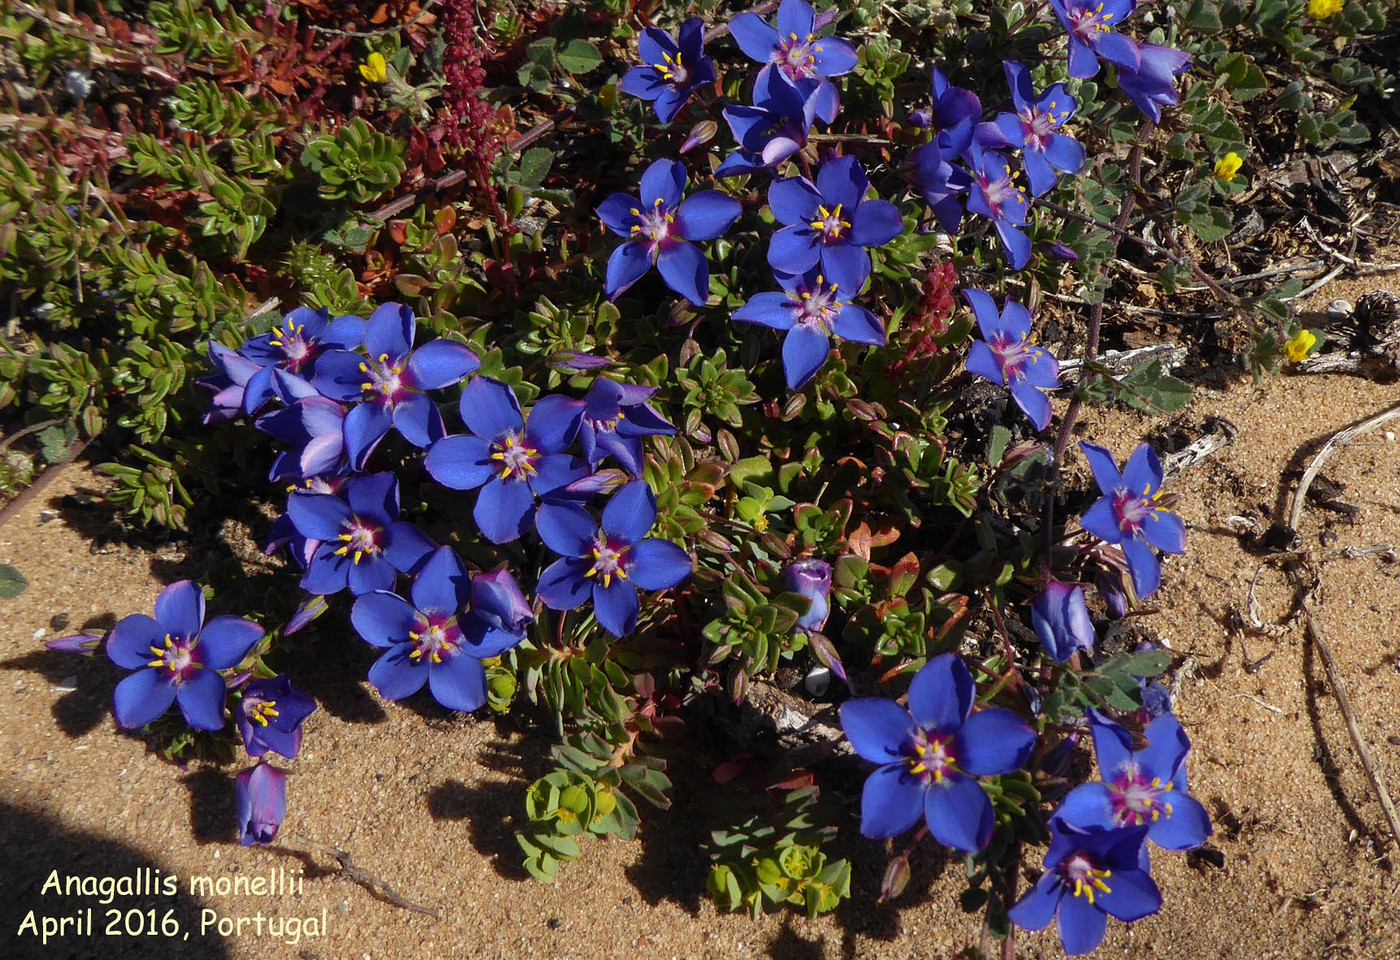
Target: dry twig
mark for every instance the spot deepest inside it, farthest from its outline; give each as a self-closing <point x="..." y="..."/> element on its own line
<point x="369" y="881"/>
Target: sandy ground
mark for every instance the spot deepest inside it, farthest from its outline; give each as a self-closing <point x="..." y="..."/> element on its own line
<point x="425" y="801"/>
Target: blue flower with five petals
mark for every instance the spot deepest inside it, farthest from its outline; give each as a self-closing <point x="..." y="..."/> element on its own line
<point x="512" y="460"/>
<point x="671" y="70"/>
<point x="930" y="755"/>
<point x="615" y="418"/>
<point x="994" y="194"/>
<point x="1133" y="513"/>
<point x="660" y="229"/>
<point x="794" y="50"/>
<point x="1004" y="355"/>
<point x="775" y="127"/>
<point x="1033" y="126"/>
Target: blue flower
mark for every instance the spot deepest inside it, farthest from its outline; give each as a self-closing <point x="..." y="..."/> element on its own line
<point x="616" y="417"/>
<point x="260" y="804"/>
<point x="391" y="381"/>
<point x="811" y="311"/>
<point x="831" y="223"/>
<point x="941" y="183"/>
<point x="1089" y="876"/>
<point x="811" y="579"/>
<point x="294" y="345"/>
<point x="270" y="715"/>
<point x="1061" y="620"/>
<point x="230" y="383"/>
<point x="1153" y="85"/>
<point x="361" y="541"/>
<point x="671" y="70"/>
<point x="177" y="657"/>
<point x="514" y="462"/>
<point x="312" y="426"/>
<point x="952" y="105"/>
<point x="660" y="228"/>
<point x="1033" y="126"/>
<point x="994" y="194"/>
<point x="454" y="622"/>
<point x="608" y="562"/>
<point x="1133" y="514"/>
<point x="1090" y="24"/>
<point x="795" y="50"/>
<point x="1146" y="787"/>
<point x="930" y="755"/>
<point x="775" y="127"/>
<point x="1004" y="355"/>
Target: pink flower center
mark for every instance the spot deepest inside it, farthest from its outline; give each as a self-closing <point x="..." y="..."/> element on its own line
<point x="1086" y="876"/>
<point x="609" y="560"/>
<point x="436" y="638"/>
<point x="654" y="225"/>
<point x="1136" y="800"/>
<point x="829" y="224"/>
<point x="179" y="656"/>
<point x="360" y="538"/>
<point x="1002" y="191"/>
<point x="1088" y="22"/>
<point x="1013" y="355"/>
<point x="817" y="307"/>
<point x="797" y="57"/>
<point x="296" y="348"/>
<point x="383" y="380"/>
<point x="516" y="459"/>
<point x="931" y="756"/>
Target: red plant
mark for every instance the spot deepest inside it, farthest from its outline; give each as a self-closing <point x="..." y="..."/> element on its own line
<point x="916" y="342"/>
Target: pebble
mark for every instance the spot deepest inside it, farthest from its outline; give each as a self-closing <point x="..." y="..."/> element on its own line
<point x="817" y="681"/>
<point x="1390" y="436"/>
<point x="39" y="634"/>
<point x="67" y="684"/>
<point x="1340" y="309"/>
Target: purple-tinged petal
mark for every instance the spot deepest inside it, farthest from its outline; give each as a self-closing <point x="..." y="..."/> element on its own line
<point x="1065" y="153"/>
<point x="141" y="698"/>
<point x="390" y="331"/>
<point x="556" y="470"/>
<point x="180" y="608"/>
<point x="653" y="42"/>
<point x="875" y="223"/>
<point x="260" y="804"/>
<point x="616" y="213"/>
<point x="490" y="410"/>
<point x="654" y="564"/>
<point x="959" y="813"/>
<point x="1112" y="745"/>
<point x="805" y="351"/>
<point x="706" y="215"/>
<point x="497" y="600"/>
<point x="664" y="180"/>
<point x="460" y="462"/>
<point x="994" y="742"/>
<point x="442" y="584"/>
<point x="1034" y="404"/>
<point x="1101" y="520"/>
<point x="685" y="271"/>
<point x="1082" y="62"/>
<point x="1167" y="746"/>
<point x="1037" y="906"/>
<point x="891" y="802"/>
<point x="338" y="375"/>
<point x="129" y="644"/>
<point x="1142" y="474"/>
<point x="1043" y="371"/>
<point x="258" y="391"/>
<point x="553" y="423"/>
<point x="793" y="201"/>
<point x="563" y="586"/>
<point x="396" y="675"/>
<point x="941" y="694"/>
<point x="1165" y="531"/>
<point x="365" y="425"/>
<point x="504" y="509"/>
<point x="1040" y="175"/>
<point x="1185" y="828"/>
<point x="877" y="728"/>
<point x="757" y="39"/>
<point x="1133" y="895"/>
<point x="982" y="362"/>
<point x="201" y="700"/>
<point x="383" y="618"/>
<point x="1143" y="565"/>
<point x="406" y="546"/>
<point x="566" y="528"/>
<point x="226" y="640"/>
<point x="626" y="266"/>
<point x="1118" y="50"/>
<point x="418" y="420"/>
<point x="441" y="363"/>
<point x="859" y="325"/>
<point x="1014" y="243"/>
<point x="616" y="606"/>
<point x="834" y="57"/>
<point x="458" y="683"/>
<point x="630" y="513"/>
<point x="1081" y="925"/>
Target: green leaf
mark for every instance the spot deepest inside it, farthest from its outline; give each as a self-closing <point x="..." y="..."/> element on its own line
<point x="12" y="582"/>
<point x="1150" y="388"/>
<point x="1211" y="224"/>
<point x="534" y="166"/>
<point x="579" y="56"/>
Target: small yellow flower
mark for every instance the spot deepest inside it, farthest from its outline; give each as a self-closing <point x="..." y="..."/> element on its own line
<point x="1322" y="9"/>
<point x="374" y="69"/>
<point x="1298" y="348"/>
<point x="1228" y="166"/>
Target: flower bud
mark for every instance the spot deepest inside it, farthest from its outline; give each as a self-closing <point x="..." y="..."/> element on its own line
<point x="811" y="579"/>
<point x="261" y="801"/>
<point x="1061" y="251"/>
<point x="1061" y="620"/>
<point x="921" y="119"/>
<point x="896" y="878"/>
<point x="83" y="643"/>
<point x="703" y="132"/>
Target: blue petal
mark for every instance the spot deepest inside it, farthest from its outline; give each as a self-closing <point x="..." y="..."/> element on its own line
<point x="317" y="516"/>
<point x="1112" y="745"/>
<point x="490" y="410"/>
<point x="994" y="742"/>
<point x="497" y="600"/>
<point x="418" y="420"/>
<point x="553" y="423"/>
<point x="668" y="103"/>
<point x="891" y="802"/>
<point x="1187" y="827"/>
<point x="690" y="39"/>
<point x="1036" y="908"/>
<point x="842" y="182"/>
<point x="626" y="266"/>
<point x="458" y="683"/>
<point x="768" y="309"/>
<point x="846" y="263"/>
<point x="1101" y="520"/>
<point x="757" y="39"/>
<point x="1040" y="175"/>
<point x="1167" y="746"/>
<point x="1015" y="244"/>
<point x="1043" y="371"/>
<point x="1134" y="896"/>
<point x="180" y="609"/>
<point x="345" y="333"/>
<point x="941" y="694"/>
<point x="226" y="640"/>
<point x="1087" y="806"/>
<point x="652" y="42"/>
<point x="1104" y="467"/>
<point x="390" y="331"/>
<point x="370" y="574"/>
<point x="664" y="180"/>
<point x="504" y="509"/>
<point x="1065" y="153"/>
<point x="616" y="213"/>
<point x="877" y="728"/>
<point x="858" y="325"/>
<point x="805" y="351"/>
<point x="1082" y="62"/>
<point x="875" y="223"/>
<point x="834" y="57"/>
<point x="796" y="17"/>
<point x="555" y="470"/>
<point x="706" y="215"/>
<point x="1142" y="474"/>
<point x="129" y="644"/>
<point x="685" y="271"/>
<point x="793" y="201"/>
<point x="645" y="83"/>
<point x="201" y="700"/>
<point x="441" y="363"/>
<point x="1143" y="565"/>
<point x="365" y="426"/>
<point x="338" y="375"/>
<point x="395" y="675"/>
<point x="258" y="390"/>
<point x="563" y="585"/>
<point x="383" y="618"/>
<point x="630" y="513"/>
<point x="141" y="698"/>
<point x="374" y="496"/>
<point x="984" y="308"/>
<point x="1081" y="925"/>
<point x="460" y="462"/>
<point x="325" y="572"/>
<point x="959" y="813"/>
<point x="1034" y="404"/>
<point x="1165" y="531"/>
<point x="566" y="528"/>
<point x="1118" y="49"/>
<point x="657" y="564"/>
<point x="442" y="584"/>
<point x="407" y="547"/>
<point x="616" y="606"/>
<point x="983" y="362"/>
